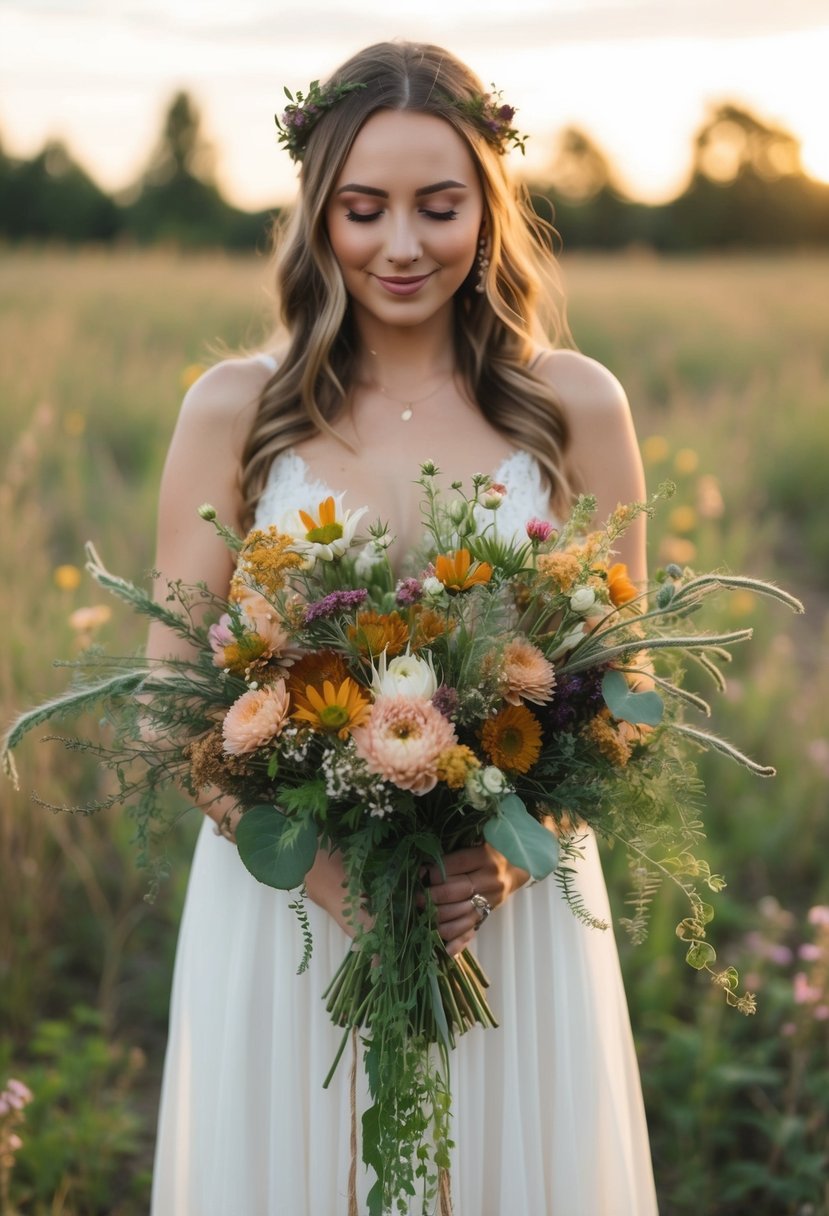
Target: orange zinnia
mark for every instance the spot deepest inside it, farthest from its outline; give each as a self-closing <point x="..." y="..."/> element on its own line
<point x="379" y="631"/>
<point x="457" y="573"/>
<point x="619" y="586"/>
<point x="333" y="710"/>
<point x="512" y="739"/>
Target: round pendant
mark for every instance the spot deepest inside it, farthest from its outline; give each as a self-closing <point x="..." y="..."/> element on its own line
<point x="407" y="413"/>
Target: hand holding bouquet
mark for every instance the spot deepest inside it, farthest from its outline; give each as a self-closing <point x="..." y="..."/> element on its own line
<point x="515" y="690"/>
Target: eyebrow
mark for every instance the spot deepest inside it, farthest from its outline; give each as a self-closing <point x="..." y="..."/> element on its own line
<point x="353" y="188"/>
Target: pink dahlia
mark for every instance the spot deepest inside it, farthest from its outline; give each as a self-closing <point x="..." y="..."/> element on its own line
<point x="402" y="740"/>
<point x="255" y="718"/>
<point x="526" y="675"/>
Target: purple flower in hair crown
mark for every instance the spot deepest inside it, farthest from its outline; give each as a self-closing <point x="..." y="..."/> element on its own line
<point x="494" y="118"/>
<point x="305" y="110"/>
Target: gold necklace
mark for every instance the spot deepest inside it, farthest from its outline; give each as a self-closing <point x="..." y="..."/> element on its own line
<point x="408" y="405"/>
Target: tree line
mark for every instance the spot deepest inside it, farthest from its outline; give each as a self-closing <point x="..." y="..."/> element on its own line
<point x="746" y="189"/>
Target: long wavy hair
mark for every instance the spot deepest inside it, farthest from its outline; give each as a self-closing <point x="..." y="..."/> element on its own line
<point x="496" y="332"/>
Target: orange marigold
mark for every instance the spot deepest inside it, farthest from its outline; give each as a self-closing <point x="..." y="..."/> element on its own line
<point x="512" y="739"/>
<point x="619" y="585"/>
<point x="379" y="631"/>
<point x="427" y="626"/>
<point x="602" y="732"/>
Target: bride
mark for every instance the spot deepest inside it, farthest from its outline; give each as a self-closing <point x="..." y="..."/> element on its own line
<point x="413" y="285"/>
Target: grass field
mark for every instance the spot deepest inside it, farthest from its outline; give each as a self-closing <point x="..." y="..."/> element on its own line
<point x="726" y="363"/>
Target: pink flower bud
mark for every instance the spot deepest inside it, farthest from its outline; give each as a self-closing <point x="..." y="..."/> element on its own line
<point x="538" y="529"/>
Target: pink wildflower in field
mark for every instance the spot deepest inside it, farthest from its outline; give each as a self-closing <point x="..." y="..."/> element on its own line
<point x="256" y="718"/>
<point x="402" y="740"/>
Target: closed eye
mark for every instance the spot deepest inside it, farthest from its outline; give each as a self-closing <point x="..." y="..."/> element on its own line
<point x="359" y="217"/>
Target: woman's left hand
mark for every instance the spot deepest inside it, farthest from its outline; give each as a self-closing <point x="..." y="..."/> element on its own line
<point x="479" y="870"/>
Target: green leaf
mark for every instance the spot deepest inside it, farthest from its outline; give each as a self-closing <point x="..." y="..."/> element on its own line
<point x="273" y="765"/>
<point x="270" y="859"/>
<point x="437" y="1007"/>
<point x="521" y="838"/>
<point x="628" y="706"/>
<point x="700" y="955"/>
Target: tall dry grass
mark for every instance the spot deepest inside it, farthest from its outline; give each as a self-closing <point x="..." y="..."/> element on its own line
<point x="725" y="363"/>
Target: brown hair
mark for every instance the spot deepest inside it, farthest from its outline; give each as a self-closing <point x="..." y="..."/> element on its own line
<point x="496" y="332"/>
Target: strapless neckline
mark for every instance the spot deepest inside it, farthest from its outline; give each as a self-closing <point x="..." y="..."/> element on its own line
<point x="499" y="475"/>
<point x="293" y="485"/>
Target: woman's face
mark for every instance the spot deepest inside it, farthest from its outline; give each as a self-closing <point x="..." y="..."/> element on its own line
<point x="405" y="216"/>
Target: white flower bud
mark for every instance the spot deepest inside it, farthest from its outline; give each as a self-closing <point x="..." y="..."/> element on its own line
<point x="582" y="600"/>
<point x="432" y="587"/>
<point x="457" y="510"/>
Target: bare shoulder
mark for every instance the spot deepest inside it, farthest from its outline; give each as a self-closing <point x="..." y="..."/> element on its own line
<point x="225" y="399"/>
<point x="585" y="388"/>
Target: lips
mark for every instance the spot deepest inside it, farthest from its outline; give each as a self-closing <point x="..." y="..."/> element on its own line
<point x="403" y="285"/>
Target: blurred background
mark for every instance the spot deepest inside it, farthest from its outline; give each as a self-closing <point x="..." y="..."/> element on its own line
<point x="682" y="151"/>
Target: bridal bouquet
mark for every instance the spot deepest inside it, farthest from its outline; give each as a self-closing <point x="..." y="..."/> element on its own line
<point x="513" y="689"/>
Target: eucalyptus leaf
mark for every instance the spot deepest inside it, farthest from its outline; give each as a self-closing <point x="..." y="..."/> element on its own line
<point x="700" y="955"/>
<point x="270" y="859"/>
<point x="645" y="708"/>
<point x="522" y="839"/>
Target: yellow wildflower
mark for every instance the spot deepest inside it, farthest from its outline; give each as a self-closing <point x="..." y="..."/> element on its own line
<point x="67" y="578"/>
<point x="455" y="764"/>
<point x="264" y="560"/>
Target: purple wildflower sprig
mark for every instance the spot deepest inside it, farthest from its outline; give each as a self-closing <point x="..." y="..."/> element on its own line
<point x="304" y="112"/>
<point x="333" y="604"/>
<point x="494" y="118"/>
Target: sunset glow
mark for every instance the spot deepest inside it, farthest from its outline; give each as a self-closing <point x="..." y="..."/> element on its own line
<point x="638" y="76"/>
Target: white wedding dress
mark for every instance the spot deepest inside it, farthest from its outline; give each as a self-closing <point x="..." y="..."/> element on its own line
<point x="548" y="1114"/>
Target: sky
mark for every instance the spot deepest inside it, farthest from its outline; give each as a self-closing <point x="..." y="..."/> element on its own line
<point x="638" y="75"/>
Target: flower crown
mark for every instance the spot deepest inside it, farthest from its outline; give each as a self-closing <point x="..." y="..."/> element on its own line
<point x="487" y="111"/>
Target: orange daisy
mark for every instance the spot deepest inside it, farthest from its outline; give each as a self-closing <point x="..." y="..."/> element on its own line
<point x="333" y="710"/>
<point x="459" y="573"/>
<point x="512" y="739"/>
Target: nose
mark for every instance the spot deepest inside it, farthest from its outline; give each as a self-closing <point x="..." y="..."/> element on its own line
<point x="402" y="245"/>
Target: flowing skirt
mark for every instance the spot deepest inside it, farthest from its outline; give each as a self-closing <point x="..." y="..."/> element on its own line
<point x="548" y="1114"/>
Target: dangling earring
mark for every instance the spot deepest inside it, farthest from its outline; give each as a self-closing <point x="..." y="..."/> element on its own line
<point x="483" y="264"/>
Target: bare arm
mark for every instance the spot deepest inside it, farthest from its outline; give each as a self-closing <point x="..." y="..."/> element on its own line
<point x="203" y="466"/>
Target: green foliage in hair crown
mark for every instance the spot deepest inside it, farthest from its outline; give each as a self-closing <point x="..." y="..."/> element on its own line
<point x="487" y="111"/>
<point x="304" y="112"/>
<point x="494" y="117"/>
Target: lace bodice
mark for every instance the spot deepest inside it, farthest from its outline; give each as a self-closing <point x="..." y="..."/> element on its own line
<point x="291" y="485"/>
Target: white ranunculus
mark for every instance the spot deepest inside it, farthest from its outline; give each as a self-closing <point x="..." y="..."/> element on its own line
<point x="493" y="780"/>
<point x="582" y="600"/>
<point x="405" y="676"/>
<point x="484" y="784"/>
